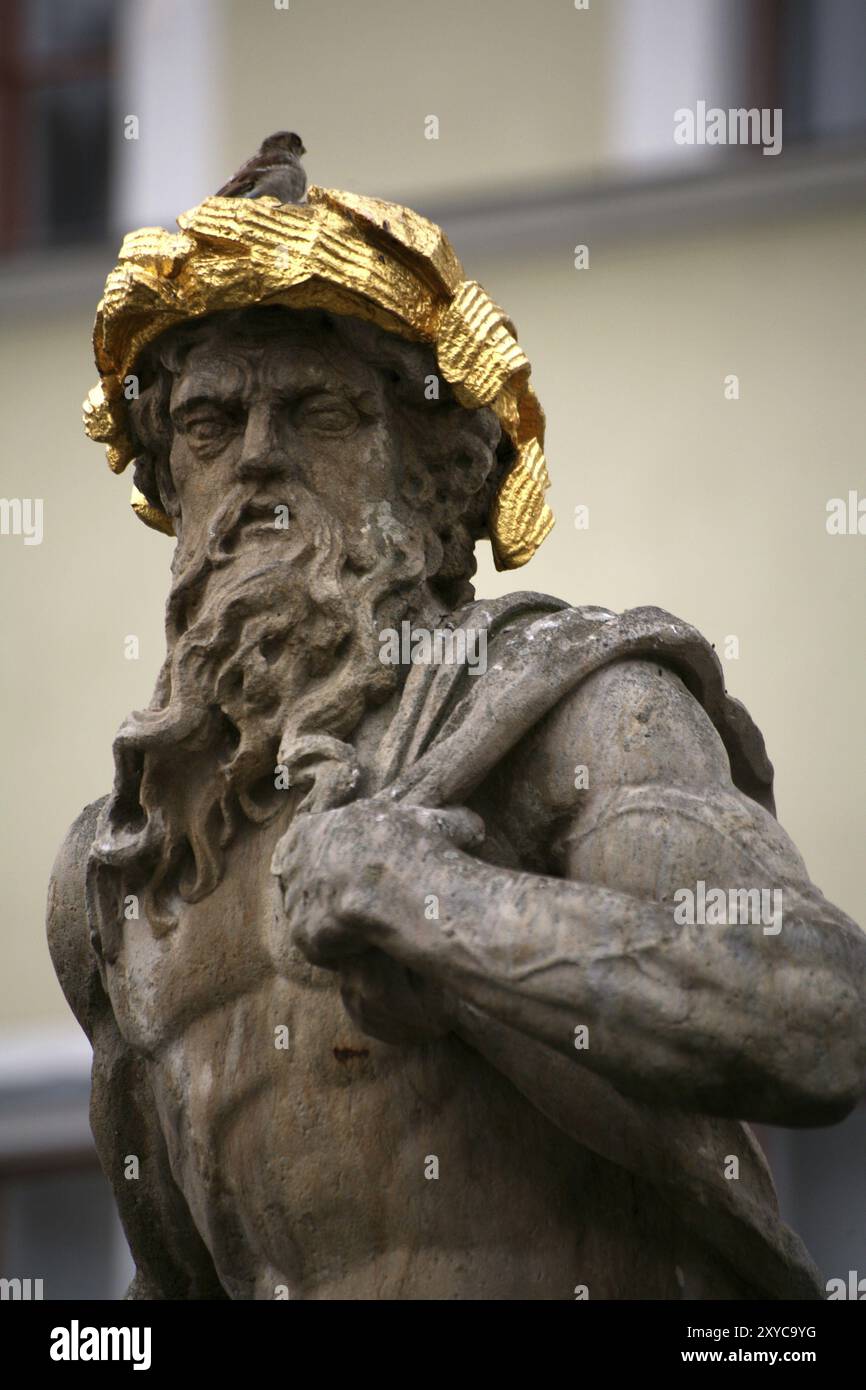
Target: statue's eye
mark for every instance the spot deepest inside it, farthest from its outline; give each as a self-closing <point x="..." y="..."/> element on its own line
<point x="327" y="415"/>
<point x="205" y="430"/>
<point x="209" y="428"/>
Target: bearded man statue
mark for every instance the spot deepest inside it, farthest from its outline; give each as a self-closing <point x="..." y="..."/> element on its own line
<point x="391" y="959"/>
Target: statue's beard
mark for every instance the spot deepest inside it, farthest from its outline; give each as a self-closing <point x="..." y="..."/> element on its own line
<point x="272" y="637"/>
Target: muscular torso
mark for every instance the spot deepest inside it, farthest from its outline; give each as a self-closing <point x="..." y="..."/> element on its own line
<point x="318" y="1162"/>
<point x="306" y="1165"/>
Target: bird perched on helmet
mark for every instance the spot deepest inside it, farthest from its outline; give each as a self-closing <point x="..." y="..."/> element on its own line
<point x="275" y="171"/>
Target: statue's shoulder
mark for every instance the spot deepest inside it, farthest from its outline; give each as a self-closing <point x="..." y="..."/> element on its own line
<point x="579" y="669"/>
<point x="66" y="919"/>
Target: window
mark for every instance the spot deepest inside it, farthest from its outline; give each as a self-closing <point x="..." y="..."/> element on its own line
<point x="59" y="1226"/>
<point x="60" y="1235"/>
<point x="56" y="69"/>
<point x="822" y="68"/>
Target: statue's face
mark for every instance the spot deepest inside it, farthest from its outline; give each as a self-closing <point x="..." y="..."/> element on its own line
<point x="319" y="498"/>
<point x="259" y="414"/>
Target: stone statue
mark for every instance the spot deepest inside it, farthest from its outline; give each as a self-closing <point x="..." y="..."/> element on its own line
<point x="429" y="947"/>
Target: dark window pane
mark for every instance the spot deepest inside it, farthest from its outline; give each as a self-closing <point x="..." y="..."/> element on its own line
<point x="795" y="62"/>
<point x="67" y="135"/>
<point x="823" y="68"/>
<point x="63" y="1228"/>
<point x="839" y="85"/>
<point x="51" y="27"/>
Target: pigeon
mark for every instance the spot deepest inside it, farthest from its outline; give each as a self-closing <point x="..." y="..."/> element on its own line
<point x="275" y="171"/>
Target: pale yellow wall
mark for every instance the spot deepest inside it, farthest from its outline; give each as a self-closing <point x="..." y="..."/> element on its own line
<point x="67" y="606"/>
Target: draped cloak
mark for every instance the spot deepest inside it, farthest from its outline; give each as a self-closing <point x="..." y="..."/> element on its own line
<point x="449" y="732"/>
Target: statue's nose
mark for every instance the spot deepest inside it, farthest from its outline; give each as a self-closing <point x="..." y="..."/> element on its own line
<point x="264" y="449"/>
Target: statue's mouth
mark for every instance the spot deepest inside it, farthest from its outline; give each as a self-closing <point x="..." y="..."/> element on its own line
<point x="260" y="520"/>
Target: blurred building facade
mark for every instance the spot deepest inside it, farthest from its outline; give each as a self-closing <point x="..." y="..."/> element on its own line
<point x="643" y="275"/>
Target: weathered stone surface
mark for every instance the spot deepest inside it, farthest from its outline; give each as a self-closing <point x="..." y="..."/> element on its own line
<point x="390" y="999"/>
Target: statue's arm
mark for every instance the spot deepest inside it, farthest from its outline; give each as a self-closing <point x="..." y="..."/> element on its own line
<point x="729" y="1019"/>
<point x="726" y="1020"/>
<point x="171" y="1259"/>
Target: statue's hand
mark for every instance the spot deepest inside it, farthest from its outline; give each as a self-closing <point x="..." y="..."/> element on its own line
<point x="392" y="1003"/>
<point x="354" y="876"/>
<point x="354" y="881"/>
